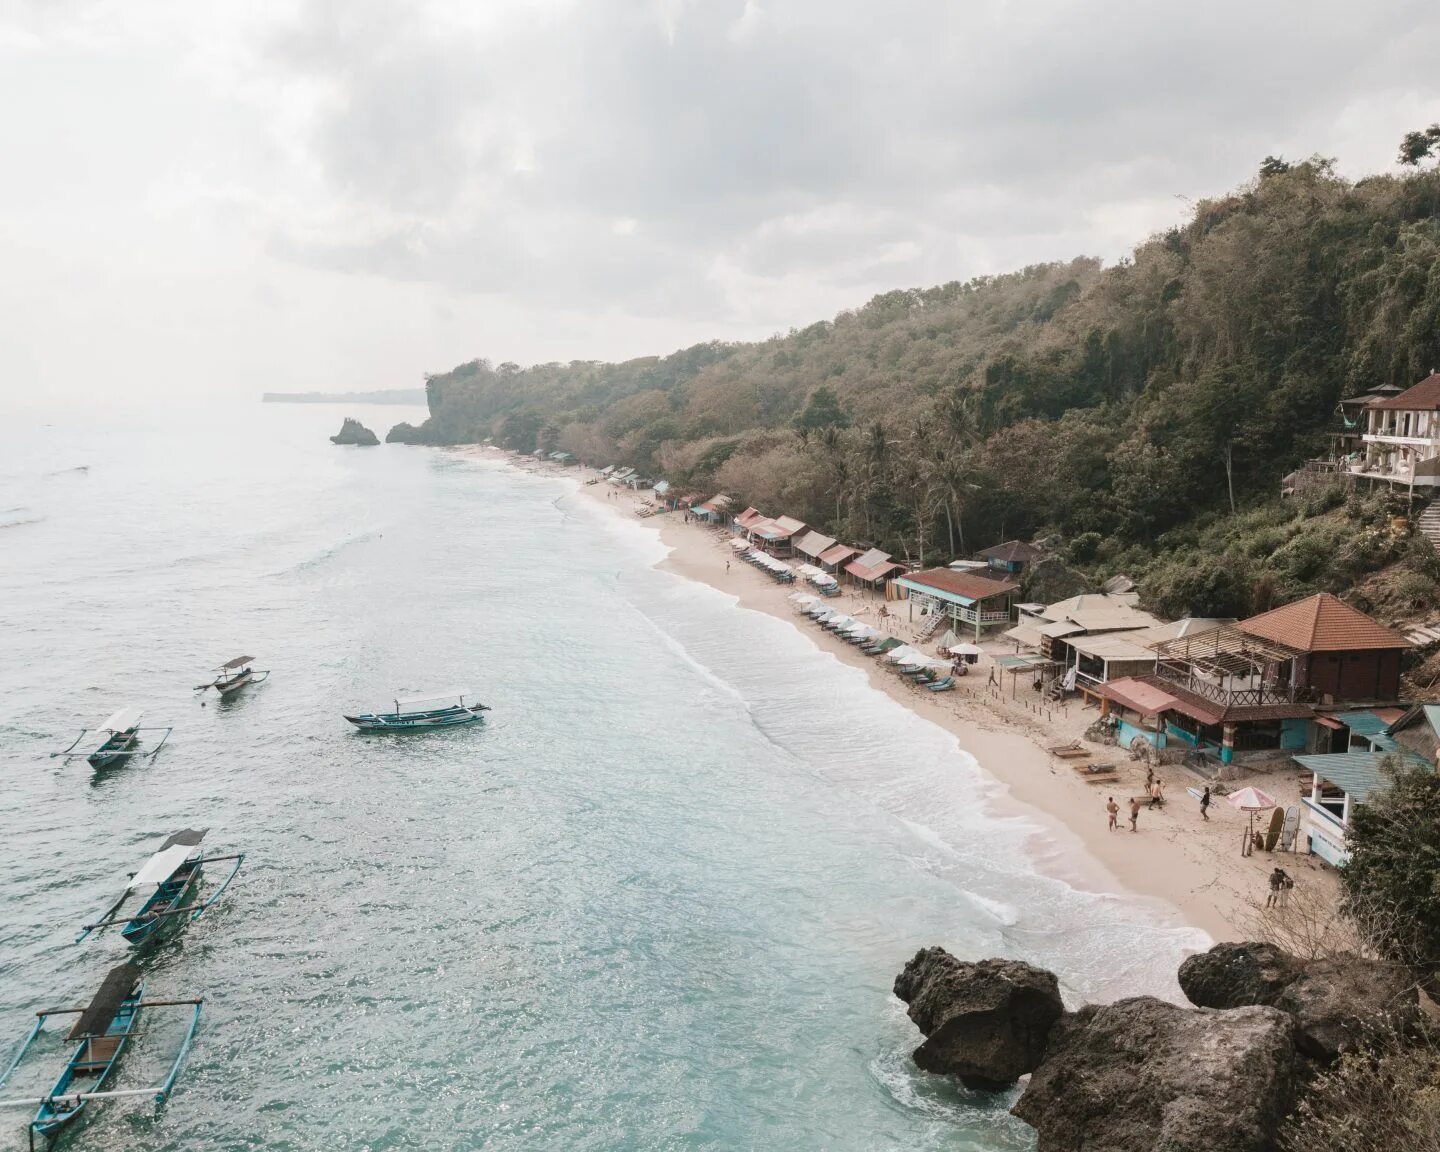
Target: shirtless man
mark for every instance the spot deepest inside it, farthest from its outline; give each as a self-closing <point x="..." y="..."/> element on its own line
<point x="1134" y="813"/>
<point x="1114" y="810"/>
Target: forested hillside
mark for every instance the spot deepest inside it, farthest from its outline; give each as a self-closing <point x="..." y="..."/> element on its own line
<point x="1129" y="411"/>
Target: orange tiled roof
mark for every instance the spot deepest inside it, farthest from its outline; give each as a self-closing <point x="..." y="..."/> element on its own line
<point x="1424" y="396"/>
<point x="1322" y="623"/>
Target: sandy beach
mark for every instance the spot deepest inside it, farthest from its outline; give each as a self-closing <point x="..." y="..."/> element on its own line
<point x="1191" y="866"/>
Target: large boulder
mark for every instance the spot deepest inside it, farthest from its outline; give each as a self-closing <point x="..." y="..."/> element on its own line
<point x="1142" y="1075"/>
<point x="1337" y="1002"/>
<point x="985" y="1022"/>
<point x="404" y="433"/>
<point x="353" y="432"/>
<point x="1340" y="1002"/>
<point x="1238" y="975"/>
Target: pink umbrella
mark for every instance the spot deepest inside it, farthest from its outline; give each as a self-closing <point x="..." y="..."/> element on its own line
<point x="1250" y="800"/>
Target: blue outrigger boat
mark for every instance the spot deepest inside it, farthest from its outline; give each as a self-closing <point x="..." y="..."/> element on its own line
<point x="103" y="1030"/>
<point x="114" y="740"/>
<point x="418" y="713"/>
<point x="169" y="880"/>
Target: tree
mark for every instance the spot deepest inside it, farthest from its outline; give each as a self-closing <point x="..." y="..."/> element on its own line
<point x="1392" y="882"/>
<point x="1274" y="166"/>
<point x="1418" y="146"/>
<point x="822" y="410"/>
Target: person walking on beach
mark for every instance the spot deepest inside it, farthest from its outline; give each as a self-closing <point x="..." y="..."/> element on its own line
<point x="1157" y="792"/>
<point x="727" y="565"/>
<point x="1279" y="883"/>
<point x="1114" y="810"/>
<point x="1134" y="813"/>
<point x="1205" y="803"/>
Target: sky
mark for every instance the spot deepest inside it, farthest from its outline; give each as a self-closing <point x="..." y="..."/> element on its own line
<point x="215" y="199"/>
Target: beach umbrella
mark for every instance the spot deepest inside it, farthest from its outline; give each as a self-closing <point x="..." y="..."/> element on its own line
<point x="1250" y="800"/>
<point x="964" y="649"/>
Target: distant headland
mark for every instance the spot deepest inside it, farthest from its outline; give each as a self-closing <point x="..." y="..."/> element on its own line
<point x="414" y="396"/>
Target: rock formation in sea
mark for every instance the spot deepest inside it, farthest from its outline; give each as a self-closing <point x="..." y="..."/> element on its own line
<point x="985" y="1022"/>
<point x="1145" y="1075"/>
<point x="353" y="432"/>
<point x="404" y="433"/>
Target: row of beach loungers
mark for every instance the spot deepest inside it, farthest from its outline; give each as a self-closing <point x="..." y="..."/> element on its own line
<point x="825" y="583"/>
<point x="928" y="671"/>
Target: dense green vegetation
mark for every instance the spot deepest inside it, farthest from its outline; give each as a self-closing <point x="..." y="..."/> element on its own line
<point x="1142" y="415"/>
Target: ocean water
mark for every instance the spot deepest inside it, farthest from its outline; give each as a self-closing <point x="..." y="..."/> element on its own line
<point x="656" y="901"/>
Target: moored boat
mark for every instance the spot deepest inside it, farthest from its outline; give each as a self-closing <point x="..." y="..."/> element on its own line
<point x="418" y="713"/>
<point x="103" y="1029"/>
<point x="234" y="675"/>
<point x="114" y="740"/>
<point x="167" y="884"/>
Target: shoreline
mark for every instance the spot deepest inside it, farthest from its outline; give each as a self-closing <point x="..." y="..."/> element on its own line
<point x="1190" y="870"/>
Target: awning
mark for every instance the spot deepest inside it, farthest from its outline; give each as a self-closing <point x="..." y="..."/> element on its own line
<point x="160" y="867"/>
<point x="1138" y="696"/>
<point x="1329" y="722"/>
<point x="122" y="721"/>
<point x="1026" y="634"/>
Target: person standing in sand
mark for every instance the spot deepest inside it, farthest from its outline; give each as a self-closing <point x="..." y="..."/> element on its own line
<point x="1134" y="813"/>
<point x="1114" y="810"/>
<point x="727" y="565"/>
<point x="1205" y="803"/>
<point x="1157" y="792"/>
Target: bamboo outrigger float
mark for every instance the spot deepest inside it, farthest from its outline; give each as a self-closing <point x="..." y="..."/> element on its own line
<point x="169" y="881"/>
<point x="115" y="739"/>
<point x="234" y="675"/>
<point x="418" y="713"/>
<point x="103" y="1030"/>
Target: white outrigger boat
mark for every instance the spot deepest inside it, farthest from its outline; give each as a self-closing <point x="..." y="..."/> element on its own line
<point x="418" y="713"/>
<point x="115" y="739"/>
<point x="234" y="675"/>
<point x="167" y="885"/>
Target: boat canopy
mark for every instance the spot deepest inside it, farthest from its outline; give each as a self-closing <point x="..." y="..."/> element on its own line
<point x="190" y="836"/>
<point x="160" y="867"/>
<point x="122" y="721"/>
<point x="119" y="982"/>
<point x="238" y="662"/>
<point x="409" y="703"/>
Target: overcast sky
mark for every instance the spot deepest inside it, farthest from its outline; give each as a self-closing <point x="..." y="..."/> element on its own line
<point x="240" y="197"/>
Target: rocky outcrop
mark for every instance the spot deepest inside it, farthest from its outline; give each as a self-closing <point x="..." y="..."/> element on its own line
<point x="1238" y="975"/>
<point x="1336" y="1002"/>
<point x="353" y="432"/>
<point x="984" y="1022"/>
<point x="1142" y="1075"/>
<point x="404" y="433"/>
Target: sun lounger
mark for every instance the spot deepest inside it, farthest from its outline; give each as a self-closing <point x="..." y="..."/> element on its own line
<point x="942" y="685"/>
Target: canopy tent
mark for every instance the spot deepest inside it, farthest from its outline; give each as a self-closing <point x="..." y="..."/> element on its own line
<point x="804" y="599"/>
<point x="238" y="662"/>
<point x="862" y="633"/>
<point x="888" y="644"/>
<point x="921" y="660"/>
<point x="962" y="649"/>
<point x="896" y="655"/>
<point x="808" y="570"/>
<point x="946" y="640"/>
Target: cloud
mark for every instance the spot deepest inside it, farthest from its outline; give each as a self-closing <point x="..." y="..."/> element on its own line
<point x="540" y="179"/>
<point x="853" y="141"/>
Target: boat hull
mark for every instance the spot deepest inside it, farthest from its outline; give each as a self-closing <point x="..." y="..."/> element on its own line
<point x="418" y="722"/>
<point x="52" y="1117"/>
<point x="234" y="683"/>
<point x="113" y="751"/>
<point x="146" y="927"/>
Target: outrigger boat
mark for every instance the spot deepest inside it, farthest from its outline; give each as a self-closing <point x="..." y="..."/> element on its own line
<point x="415" y="713"/>
<point x="118" y="738"/>
<point x="234" y="675"/>
<point x="169" y="880"/>
<point x="104" y="1027"/>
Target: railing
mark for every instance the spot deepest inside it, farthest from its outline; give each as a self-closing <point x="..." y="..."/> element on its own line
<point x="1237" y="698"/>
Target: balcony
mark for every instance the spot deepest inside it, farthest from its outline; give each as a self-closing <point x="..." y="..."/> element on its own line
<point x="1184" y="677"/>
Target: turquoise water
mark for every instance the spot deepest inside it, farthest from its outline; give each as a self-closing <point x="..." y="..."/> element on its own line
<point x="655" y="902"/>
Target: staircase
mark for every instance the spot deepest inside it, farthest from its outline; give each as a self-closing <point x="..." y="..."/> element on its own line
<point x="1429" y="523"/>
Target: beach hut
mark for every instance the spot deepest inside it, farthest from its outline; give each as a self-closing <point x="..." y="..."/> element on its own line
<point x="1010" y="558"/>
<point x="969" y="602"/>
<point x="872" y="569"/>
<point x="834" y="558"/>
<point x="812" y="545"/>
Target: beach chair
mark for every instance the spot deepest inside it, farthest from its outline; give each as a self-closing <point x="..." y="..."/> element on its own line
<point x="942" y="685"/>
